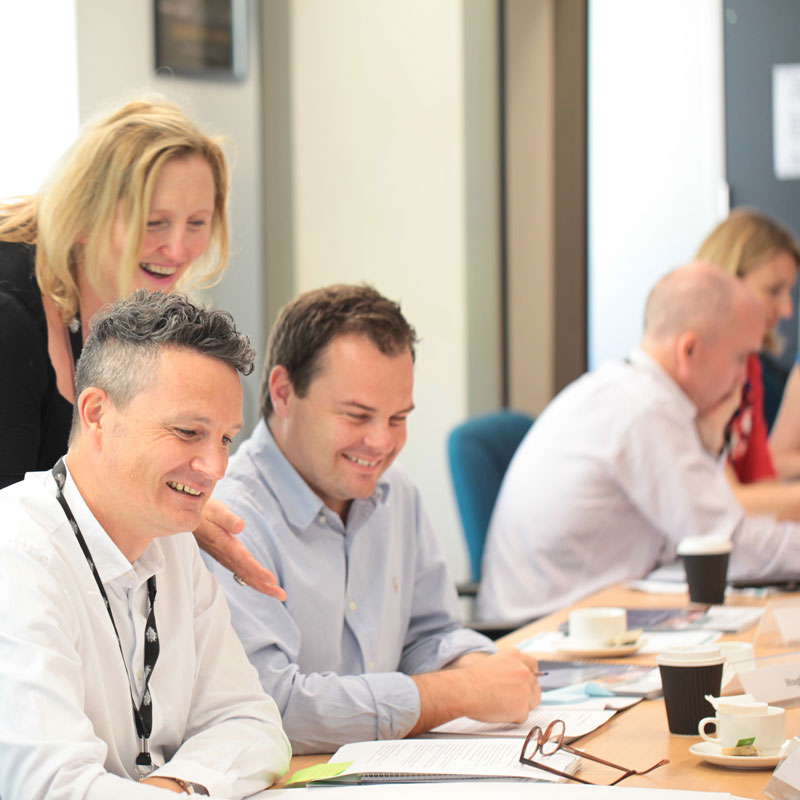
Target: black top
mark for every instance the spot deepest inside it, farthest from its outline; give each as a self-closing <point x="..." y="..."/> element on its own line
<point x="34" y="418"/>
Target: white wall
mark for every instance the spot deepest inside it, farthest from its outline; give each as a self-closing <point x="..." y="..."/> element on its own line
<point x="115" y="64"/>
<point x="379" y="159"/>
<point x="656" y="153"/>
<point x="37" y="41"/>
<point x="379" y="167"/>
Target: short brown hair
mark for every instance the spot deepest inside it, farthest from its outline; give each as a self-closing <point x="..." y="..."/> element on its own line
<point x="307" y="325"/>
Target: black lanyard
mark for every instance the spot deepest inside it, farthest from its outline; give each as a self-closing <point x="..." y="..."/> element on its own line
<point x="143" y="715"/>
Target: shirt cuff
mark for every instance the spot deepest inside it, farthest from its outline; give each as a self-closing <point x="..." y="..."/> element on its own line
<point x="219" y="784"/>
<point x="397" y="704"/>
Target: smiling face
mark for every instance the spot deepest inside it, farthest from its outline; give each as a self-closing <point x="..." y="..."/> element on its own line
<point x="350" y="426"/>
<point x="178" y="229"/>
<point x="161" y="454"/>
<point x="771" y="282"/>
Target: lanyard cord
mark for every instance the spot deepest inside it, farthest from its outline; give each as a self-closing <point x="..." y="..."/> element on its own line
<point x="143" y="715"/>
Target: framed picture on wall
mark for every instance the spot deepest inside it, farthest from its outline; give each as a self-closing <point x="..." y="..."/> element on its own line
<point x="202" y="38"/>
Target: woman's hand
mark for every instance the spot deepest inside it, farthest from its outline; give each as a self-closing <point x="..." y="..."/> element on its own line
<point x="217" y="536"/>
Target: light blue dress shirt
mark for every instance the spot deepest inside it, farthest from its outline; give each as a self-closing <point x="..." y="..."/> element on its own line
<point x="368" y="603"/>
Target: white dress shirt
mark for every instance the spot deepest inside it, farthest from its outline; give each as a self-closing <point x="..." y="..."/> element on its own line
<point x="66" y="721"/>
<point x="368" y="603"/>
<point x="601" y="490"/>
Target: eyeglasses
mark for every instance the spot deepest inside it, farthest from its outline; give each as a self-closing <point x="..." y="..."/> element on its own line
<point x="551" y="740"/>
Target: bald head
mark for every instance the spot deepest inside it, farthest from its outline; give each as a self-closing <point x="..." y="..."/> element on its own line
<point x="698" y="296"/>
<point x="700" y="325"/>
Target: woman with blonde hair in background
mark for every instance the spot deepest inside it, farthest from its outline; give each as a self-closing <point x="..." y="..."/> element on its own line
<point x="766" y="257"/>
<point x="138" y="201"/>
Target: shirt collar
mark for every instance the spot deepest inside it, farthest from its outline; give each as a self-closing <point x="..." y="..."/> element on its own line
<point x="300" y="504"/>
<point x="110" y="562"/>
<point x="645" y="362"/>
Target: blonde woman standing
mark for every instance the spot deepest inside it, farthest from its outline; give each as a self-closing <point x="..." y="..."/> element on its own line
<point x="138" y="201"/>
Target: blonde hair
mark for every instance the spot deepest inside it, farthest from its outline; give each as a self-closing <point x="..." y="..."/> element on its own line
<point x="113" y="166"/>
<point x="743" y="242"/>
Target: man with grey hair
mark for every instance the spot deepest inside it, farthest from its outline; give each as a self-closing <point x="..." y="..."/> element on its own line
<point x="120" y="672"/>
<point x="625" y="461"/>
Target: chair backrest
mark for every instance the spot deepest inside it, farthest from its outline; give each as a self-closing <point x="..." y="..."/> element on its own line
<point x="480" y="450"/>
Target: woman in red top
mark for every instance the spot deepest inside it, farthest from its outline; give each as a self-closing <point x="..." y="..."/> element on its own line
<point x="766" y="257"/>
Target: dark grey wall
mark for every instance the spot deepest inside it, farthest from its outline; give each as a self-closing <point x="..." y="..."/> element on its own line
<point x="758" y="34"/>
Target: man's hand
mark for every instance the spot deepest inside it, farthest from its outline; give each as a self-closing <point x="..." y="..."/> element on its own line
<point x="502" y="687"/>
<point x="713" y="423"/>
<point x="217" y="536"/>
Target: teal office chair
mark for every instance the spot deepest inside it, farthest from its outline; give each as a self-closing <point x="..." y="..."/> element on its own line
<point x="479" y="451"/>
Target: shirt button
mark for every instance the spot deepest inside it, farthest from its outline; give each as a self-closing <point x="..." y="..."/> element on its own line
<point x="139" y="675"/>
<point x="353" y="605"/>
<point x="370" y="665"/>
<point x="322" y="519"/>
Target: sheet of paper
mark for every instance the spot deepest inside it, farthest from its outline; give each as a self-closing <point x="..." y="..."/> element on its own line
<point x="656" y="641"/>
<point x="477" y="790"/>
<point x="579" y="722"/>
<point x="463" y="756"/>
<point x="732" y="619"/>
<point x="657" y="587"/>
<point x="786" y="120"/>
<point x="653" y="641"/>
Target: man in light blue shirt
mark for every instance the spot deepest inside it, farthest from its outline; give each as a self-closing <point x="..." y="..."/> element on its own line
<point x="368" y="644"/>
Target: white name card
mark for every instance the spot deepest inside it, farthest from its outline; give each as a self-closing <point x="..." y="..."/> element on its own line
<point x="773" y="679"/>
<point x="780" y="625"/>
<point x="785" y="781"/>
<point x="788" y="620"/>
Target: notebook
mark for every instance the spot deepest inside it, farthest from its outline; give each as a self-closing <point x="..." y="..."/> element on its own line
<point x="425" y="760"/>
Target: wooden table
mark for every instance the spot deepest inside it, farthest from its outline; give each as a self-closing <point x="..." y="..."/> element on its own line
<point x="639" y="736"/>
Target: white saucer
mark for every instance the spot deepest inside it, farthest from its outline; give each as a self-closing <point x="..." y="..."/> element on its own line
<point x="711" y="752"/>
<point x="615" y="651"/>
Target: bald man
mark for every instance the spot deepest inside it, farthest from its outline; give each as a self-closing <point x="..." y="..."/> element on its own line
<point x="626" y="461"/>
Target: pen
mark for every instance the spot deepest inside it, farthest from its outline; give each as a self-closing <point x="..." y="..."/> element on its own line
<point x="539" y="674"/>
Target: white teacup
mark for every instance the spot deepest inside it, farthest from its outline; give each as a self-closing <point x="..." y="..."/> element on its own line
<point x="596" y="627"/>
<point x="765" y="725"/>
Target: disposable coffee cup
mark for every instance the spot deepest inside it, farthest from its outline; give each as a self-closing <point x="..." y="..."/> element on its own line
<point x="705" y="559"/>
<point x="688" y="674"/>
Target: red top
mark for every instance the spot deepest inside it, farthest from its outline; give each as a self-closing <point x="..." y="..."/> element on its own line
<point x="749" y="452"/>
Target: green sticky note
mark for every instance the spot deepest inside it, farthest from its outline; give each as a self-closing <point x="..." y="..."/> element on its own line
<point x="317" y="772"/>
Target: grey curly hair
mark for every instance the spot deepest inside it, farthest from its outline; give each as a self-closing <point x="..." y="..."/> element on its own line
<point x="122" y="349"/>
